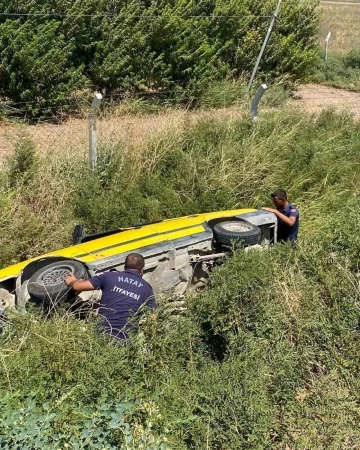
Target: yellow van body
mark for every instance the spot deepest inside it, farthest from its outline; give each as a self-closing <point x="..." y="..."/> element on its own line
<point x="178" y="252"/>
<point x="130" y="240"/>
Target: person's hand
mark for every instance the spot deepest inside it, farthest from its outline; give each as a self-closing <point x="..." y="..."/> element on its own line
<point x="272" y="210"/>
<point x="70" y="279"/>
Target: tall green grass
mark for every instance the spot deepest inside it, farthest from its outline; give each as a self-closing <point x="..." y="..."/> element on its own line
<point x="266" y="357"/>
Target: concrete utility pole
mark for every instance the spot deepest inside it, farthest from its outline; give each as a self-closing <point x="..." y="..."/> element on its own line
<point x="92" y="129"/>
<point x="267" y="37"/>
<point x="255" y="103"/>
<point x="327" y="46"/>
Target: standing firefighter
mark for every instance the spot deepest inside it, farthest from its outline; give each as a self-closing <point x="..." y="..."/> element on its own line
<point x="123" y="294"/>
<point x="287" y="216"/>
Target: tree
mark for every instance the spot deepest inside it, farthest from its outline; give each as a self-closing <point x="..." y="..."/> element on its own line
<point x="53" y="54"/>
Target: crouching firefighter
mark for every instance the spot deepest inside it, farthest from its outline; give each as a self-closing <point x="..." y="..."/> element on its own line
<point x="123" y="294"/>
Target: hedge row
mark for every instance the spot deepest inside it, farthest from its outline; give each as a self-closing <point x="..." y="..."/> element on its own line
<point x="53" y="55"/>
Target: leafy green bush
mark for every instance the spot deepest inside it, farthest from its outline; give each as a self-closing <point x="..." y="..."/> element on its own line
<point x="105" y="426"/>
<point x="141" y="46"/>
<point x="352" y="59"/>
<point x="36" y="67"/>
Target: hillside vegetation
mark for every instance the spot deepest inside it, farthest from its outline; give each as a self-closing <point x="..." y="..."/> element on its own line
<point x="52" y="57"/>
<point x="266" y="357"/>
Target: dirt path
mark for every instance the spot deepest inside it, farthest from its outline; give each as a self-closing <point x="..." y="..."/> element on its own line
<point x="339" y="3"/>
<point x="314" y="98"/>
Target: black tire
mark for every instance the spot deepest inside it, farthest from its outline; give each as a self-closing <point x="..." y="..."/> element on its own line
<point x="239" y="232"/>
<point x="47" y="285"/>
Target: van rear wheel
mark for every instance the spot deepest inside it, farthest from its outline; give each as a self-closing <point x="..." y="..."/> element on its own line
<point x="239" y="232"/>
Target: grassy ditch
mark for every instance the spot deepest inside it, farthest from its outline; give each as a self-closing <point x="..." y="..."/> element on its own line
<point x="266" y="357"/>
<point x="189" y="166"/>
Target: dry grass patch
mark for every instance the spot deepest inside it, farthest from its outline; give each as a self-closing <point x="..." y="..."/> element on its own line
<point x="343" y="21"/>
<point x="72" y="136"/>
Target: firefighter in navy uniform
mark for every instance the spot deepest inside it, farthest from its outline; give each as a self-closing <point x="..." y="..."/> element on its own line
<point x="123" y="293"/>
<point x="287" y="217"/>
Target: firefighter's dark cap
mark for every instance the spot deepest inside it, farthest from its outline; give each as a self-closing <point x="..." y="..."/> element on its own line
<point x="279" y="193"/>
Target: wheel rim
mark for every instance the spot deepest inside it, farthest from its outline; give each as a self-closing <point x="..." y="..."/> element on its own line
<point x="53" y="277"/>
<point x="236" y="227"/>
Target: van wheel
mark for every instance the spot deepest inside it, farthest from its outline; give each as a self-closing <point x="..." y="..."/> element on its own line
<point x="237" y="231"/>
<point x="47" y="285"/>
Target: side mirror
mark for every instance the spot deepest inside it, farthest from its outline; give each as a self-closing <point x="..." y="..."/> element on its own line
<point x="78" y="234"/>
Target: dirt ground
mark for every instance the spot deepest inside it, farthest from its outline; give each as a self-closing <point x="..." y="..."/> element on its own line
<point x="337" y="2"/>
<point x="314" y="98"/>
<point x="72" y="136"/>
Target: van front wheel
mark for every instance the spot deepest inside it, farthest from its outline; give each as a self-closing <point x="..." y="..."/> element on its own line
<point x="47" y="285"/>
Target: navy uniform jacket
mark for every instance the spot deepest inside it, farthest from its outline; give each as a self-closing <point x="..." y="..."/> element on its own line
<point x="123" y="293"/>
<point x="285" y="232"/>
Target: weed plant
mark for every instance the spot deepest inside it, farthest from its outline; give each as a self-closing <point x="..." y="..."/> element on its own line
<point x="341" y="71"/>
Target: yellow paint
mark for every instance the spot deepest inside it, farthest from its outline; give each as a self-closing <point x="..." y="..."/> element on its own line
<point x="167" y="230"/>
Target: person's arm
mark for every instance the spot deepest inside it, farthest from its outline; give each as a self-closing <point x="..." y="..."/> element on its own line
<point x="289" y="221"/>
<point x="78" y="285"/>
<point x="151" y="303"/>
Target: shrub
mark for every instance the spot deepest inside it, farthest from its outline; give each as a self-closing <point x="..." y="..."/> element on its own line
<point x="22" y="165"/>
<point x="110" y="426"/>
<point x="339" y="71"/>
<point x="36" y="69"/>
<point x="352" y="59"/>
